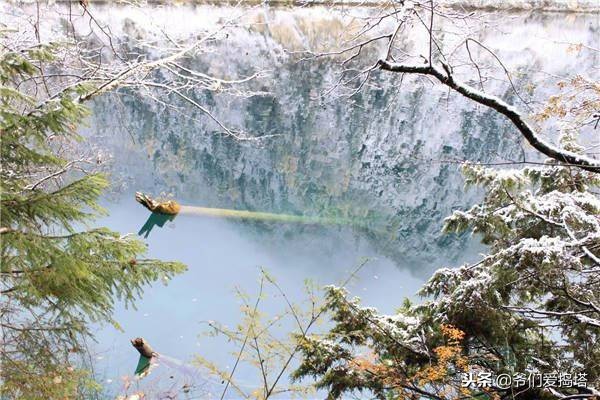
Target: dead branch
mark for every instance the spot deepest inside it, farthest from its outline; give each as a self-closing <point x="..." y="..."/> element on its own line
<point x="446" y="77"/>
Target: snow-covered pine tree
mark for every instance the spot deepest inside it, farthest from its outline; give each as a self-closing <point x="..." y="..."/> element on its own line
<point x="531" y="305"/>
<point x="58" y="274"/>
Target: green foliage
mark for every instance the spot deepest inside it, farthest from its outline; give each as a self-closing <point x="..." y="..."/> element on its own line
<point x="54" y="381"/>
<point x="530" y="305"/>
<point x="58" y="274"/>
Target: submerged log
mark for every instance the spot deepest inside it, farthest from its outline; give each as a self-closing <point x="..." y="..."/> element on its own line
<point x="143" y="347"/>
<point x="147" y="355"/>
<point x="169" y="207"/>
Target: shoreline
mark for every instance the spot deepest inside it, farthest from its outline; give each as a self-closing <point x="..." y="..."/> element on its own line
<point x="551" y="6"/>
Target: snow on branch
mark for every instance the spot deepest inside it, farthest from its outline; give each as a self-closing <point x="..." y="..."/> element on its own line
<point x="446" y="77"/>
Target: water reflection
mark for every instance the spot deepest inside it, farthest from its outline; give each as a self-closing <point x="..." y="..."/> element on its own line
<point x="155" y="219"/>
<point x="225" y="254"/>
<point x="364" y="159"/>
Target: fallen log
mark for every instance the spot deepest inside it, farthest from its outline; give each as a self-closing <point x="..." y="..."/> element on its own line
<point x="169" y="207"/>
<point x="146" y="355"/>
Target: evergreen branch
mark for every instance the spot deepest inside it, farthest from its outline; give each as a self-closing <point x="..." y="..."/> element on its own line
<point x="36" y="328"/>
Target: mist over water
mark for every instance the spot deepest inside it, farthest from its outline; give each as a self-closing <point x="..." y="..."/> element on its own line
<point x="374" y="158"/>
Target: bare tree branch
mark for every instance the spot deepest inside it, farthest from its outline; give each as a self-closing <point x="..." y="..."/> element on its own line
<point x="446" y="77"/>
